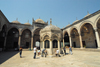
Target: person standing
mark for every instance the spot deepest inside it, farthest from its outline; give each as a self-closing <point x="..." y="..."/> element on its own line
<point x="35" y="52"/>
<point x="20" y="52"/>
<point x="57" y="53"/>
<point x="43" y="52"/>
<point x="70" y="50"/>
<point x="64" y="50"/>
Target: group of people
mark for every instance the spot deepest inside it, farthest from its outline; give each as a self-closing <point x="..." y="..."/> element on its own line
<point x="70" y="50"/>
<point x="44" y="52"/>
<point x="64" y="51"/>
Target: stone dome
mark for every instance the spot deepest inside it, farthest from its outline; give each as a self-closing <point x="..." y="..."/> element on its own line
<point x="27" y="23"/>
<point x="87" y="15"/>
<point x="51" y="27"/>
<point x="39" y="21"/>
<point x="15" y="22"/>
<point x="75" y="21"/>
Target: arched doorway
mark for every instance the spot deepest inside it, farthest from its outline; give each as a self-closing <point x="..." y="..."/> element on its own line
<point x="46" y="45"/>
<point x="12" y="38"/>
<point x="36" y="37"/>
<point x="88" y="36"/>
<point x="66" y="39"/>
<point x="75" y="38"/>
<point x="55" y="43"/>
<point x="26" y="39"/>
<point x="2" y="36"/>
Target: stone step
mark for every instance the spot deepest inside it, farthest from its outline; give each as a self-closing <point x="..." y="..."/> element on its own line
<point x="87" y="49"/>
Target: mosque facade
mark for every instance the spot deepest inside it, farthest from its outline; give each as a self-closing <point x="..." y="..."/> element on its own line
<point x="84" y="33"/>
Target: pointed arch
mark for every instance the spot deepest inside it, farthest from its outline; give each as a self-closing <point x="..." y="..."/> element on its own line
<point x="73" y="28"/>
<point x="85" y="22"/>
<point x="96" y="21"/>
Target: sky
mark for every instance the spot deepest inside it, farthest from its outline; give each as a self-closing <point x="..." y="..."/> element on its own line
<point x="62" y="12"/>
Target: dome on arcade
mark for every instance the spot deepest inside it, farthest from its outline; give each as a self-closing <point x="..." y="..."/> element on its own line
<point x="39" y="21"/>
<point x="15" y="22"/>
<point x="27" y="23"/>
<point x="51" y="27"/>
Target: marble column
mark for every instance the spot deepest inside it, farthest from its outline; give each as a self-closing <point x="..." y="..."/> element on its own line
<point x="19" y="41"/>
<point x="59" y="46"/>
<point x="32" y="43"/>
<point x="50" y="47"/>
<point x="81" y="44"/>
<point x="70" y="41"/>
<point x="63" y="42"/>
<point x="97" y="38"/>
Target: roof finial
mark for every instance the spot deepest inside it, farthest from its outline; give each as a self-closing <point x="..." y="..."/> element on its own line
<point x="76" y="18"/>
<point x="50" y="21"/>
<point x="87" y="12"/>
<point x="28" y="21"/>
<point x="16" y="19"/>
<point x="39" y="17"/>
<point x="47" y="22"/>
<point x="33" y="19"/>
<point x="68" y="23"/>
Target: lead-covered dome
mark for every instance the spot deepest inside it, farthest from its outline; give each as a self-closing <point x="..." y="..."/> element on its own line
<point x="51" y="27"/>
<point x="27" y="23"/>
<point x="39" y="21"/>
<point x="15" y="22"/>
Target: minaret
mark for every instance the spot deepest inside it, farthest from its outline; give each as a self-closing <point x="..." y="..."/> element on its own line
<point x="50" y="21"/>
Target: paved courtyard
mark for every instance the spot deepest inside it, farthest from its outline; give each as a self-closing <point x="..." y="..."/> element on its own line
<point x="78" y="59"/>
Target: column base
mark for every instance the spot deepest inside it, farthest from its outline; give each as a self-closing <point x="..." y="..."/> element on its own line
<point x="98" y="48"/>
<point x="81" y="47"/>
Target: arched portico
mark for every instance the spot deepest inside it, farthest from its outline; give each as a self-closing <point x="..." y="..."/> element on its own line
<point x="12" y="38"/>
<point x="88" y="36"/>
<point x="75" y="38"/>
<point x="3" y="37"/>
<point x="36" y="38"/>
<point x="66" y="39"/>
<point x="26" y="39"/>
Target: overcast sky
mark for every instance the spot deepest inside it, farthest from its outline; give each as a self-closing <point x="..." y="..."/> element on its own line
<point x="62" y="12"/>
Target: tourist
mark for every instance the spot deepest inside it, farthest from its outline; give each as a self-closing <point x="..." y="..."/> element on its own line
<point x="57" y="53"/>
<point x="64" y="49"/>
<point x="39" y="52"/>
<point x="35" y="52"/>
<point x="20" y="52"/>
<point x="43" y="52"/>
<point x="70" y="50"/>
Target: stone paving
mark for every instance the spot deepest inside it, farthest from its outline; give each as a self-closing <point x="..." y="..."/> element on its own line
<point x="78" y="59"/>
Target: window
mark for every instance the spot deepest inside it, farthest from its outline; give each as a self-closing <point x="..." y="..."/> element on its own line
<point x="55" y="44"/>
<point x="46" y="44"/>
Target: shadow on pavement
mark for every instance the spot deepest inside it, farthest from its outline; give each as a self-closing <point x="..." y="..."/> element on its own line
<point x="4" y="56"/>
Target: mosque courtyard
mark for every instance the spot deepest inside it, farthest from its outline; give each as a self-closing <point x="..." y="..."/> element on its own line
<point x="78" y="59"/>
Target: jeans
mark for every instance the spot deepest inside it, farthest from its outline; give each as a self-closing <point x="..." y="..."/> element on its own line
<point x="34" y="55"/>
<point x="20" y="53"/>
<point x="42" y="53"/>
<point x="70" y="52"/>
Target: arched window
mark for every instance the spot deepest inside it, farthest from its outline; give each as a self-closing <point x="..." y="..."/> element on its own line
<point x="46" y="44"/>
<point x="55" y="44"/>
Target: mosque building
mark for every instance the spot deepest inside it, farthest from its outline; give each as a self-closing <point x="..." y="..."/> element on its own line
<point x="84" y="33"/>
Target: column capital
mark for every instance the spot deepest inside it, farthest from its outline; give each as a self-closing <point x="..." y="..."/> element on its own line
<point x="19" y="35"/>
<point x="69" y="36"/>
<point x="95" y="29"/>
